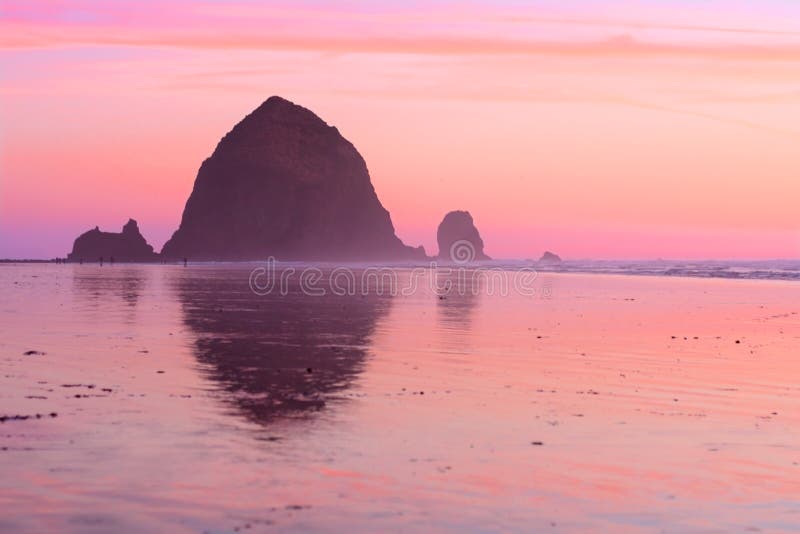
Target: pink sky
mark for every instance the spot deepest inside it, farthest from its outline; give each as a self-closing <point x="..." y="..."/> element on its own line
<point x="608" y="129"/>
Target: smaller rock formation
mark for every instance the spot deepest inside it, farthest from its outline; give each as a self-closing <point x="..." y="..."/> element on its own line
<point x="127" y="246"/>
<point x="549" y="257"/>
<point x="459" y="240"/>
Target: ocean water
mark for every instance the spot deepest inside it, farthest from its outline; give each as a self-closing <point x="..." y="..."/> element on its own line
<point x="755" y="270"/>
<point x="193" y="400"/>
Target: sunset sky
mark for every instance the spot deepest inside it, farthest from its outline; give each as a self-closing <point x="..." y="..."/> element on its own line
<point x="596" y="128"/>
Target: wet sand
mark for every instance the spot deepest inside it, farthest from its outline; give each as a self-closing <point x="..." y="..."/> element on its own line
<point x="184" y="402"/>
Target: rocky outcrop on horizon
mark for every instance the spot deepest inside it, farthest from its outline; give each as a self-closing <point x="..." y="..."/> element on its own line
<point x="127" y="246"/>
<point x="459" y="239"/>
<point x="283" y="183"/>
<point x="549" y="257"/>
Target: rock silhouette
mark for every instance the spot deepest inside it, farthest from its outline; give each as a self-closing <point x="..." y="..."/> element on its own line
<point x="283" y="183"/>
<point x="459" y="239"/>
<point x="127" y="246"/>
<point x="549" y="257"/>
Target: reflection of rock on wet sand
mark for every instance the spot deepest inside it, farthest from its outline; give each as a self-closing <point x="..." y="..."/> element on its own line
<point x="276" y="356"/>
<point x="455" y="306"/>
<point x="95" y="285"/>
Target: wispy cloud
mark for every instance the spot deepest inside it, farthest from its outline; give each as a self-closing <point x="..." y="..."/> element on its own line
<point x="18" y="36"/>
<point x="706" y="115"/>
<point x="443" y="29"/>
<point x="646" y="25"/>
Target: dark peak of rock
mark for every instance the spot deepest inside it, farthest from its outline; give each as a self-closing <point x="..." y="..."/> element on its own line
<point x="279" y="105"/>
<point x="283" y="183"/>
<point x="282" y="111"/>
<point x="549" y="257"/>
<point x="129" y="245"/>
<point x="459" y="239"/>
<point x="277" y="120"/>
<point x="131" y="227"/>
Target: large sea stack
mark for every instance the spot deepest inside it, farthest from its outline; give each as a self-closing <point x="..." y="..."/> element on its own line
<point x="283" y="183"/>
<point x="459" y="239"/>
<point x="129" y="245"/>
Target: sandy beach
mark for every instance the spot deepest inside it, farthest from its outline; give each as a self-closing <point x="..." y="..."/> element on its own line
<point x="176" y="399"/>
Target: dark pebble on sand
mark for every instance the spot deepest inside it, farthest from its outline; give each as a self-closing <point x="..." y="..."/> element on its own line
<point x="537" y="443"/>
<point x="737" y="341"/>
<point x="4" y="418"/>
<point x="160" y="372"/>
<point x="34" y="353"/>
<point x="297" y="507"/>
<point x="309" y="370"/>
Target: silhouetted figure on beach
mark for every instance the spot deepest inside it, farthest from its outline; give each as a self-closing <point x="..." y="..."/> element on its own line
<point x="101" y="261"/>
<point x="185" y="261"/>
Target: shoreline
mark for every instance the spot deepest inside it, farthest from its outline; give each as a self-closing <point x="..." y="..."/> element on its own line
<point x="766" y="270"/>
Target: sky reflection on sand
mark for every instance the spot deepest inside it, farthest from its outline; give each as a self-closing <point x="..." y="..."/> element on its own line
<point x="417" y="412"/>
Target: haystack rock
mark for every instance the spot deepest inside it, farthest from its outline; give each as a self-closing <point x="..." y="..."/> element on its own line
<point x="549" y="257"/>
<point x="283" y="183"/>
<point x="459" y="239"/>
<point x="129" y="245"/>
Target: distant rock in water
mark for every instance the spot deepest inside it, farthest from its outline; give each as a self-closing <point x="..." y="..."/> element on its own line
<point x="283" y="183"/>
<point x="458" y="239"/>
<point x="549" y="257"/>
<point x="126" y="246"/>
